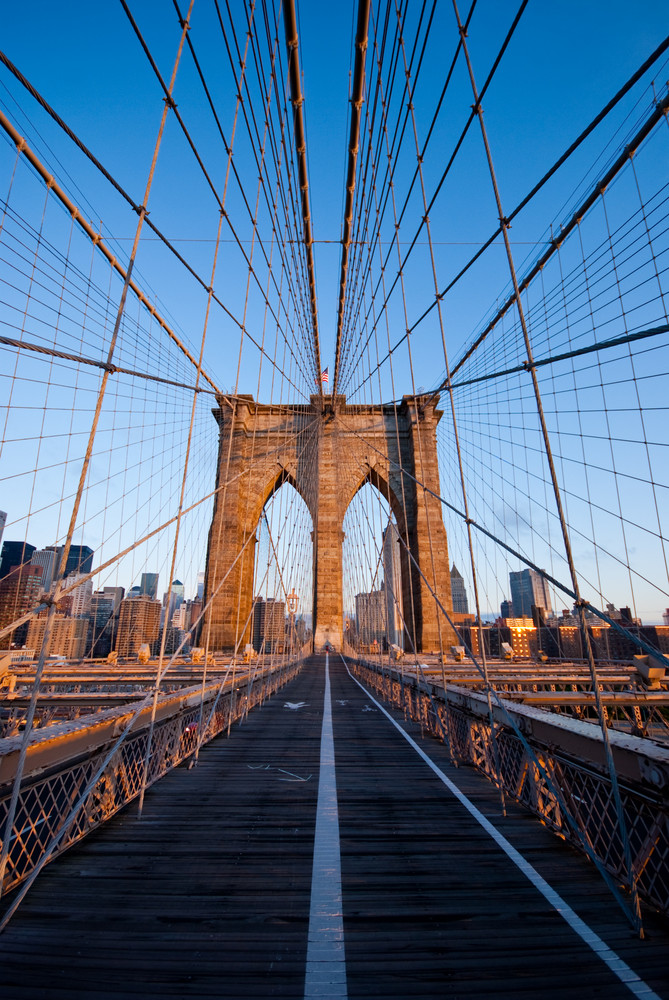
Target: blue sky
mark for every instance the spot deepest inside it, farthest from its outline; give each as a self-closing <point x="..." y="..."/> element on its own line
<point x="564" y="62"/>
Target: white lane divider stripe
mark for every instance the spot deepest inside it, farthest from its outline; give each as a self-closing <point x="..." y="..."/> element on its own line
<point x="627" y="975"/>
<point x="326" y="958"/>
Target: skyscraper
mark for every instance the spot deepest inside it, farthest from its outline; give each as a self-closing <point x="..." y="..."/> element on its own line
<point x="192" y="611"/>
<point x="506" y="609"/>
<point x="14" y="554"/>
<point x="149" y="585"/>
<point x="108" y="639"/>
<point x="80" y="596"/>
<point x="117" y="594"/>
<point x="257" y="623"/>
<point x="19" y="592"/>
<point x="46" y="558"/>
<point x="458" y="592"/>
<point x="68" y="636"/>
<point x="529" y="588"/>
<point x="392" y="585"/>
<point x="100" y="616"/>
<point x="139" y="623"/>
<point x="79" y="559"/>
<point x="275" y="623"/>
<point x="176" y="599"/>
<point x="370" y="613"/>
<point x="268" y="628"/>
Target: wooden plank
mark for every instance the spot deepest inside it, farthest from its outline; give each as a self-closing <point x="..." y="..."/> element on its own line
<point x="208" y="895"/>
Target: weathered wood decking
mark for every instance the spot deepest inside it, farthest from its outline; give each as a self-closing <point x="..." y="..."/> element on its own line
<point x="208" y="895"/>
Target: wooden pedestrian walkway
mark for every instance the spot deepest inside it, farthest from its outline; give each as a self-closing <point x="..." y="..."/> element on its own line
<point x="210" y="893"/>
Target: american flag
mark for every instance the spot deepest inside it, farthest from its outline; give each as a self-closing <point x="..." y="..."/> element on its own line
<point x="325" y="377"/>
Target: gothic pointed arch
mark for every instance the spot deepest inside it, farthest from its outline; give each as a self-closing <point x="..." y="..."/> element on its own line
<point x="328" y="450"/>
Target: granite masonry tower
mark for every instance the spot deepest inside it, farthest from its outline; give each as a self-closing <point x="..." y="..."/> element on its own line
<point x="327" y="450"/>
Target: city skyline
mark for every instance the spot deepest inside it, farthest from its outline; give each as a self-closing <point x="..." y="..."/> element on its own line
<point x="37" y="551"/>
<point x="123" y="503"/>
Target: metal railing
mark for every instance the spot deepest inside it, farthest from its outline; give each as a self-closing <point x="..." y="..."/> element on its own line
<point x="67" y="757"/>
<point x="576" y="768"/>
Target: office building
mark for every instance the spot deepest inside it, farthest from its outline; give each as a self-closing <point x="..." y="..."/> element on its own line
<point x="174" y="640"/>
<point x="173" y="599"/>
<point x="47" y="559"/>
<point x="528" y="589"/>
<point x="193" y="612"/>
<point x="149" y="585"/>
<point x="139" y="623"/>
<point x="101" y="619"/>
<point x="268" y="627"/>
<point x="117" y="594"/>
<point x="301" y="631"/>
<point x="80" y="596"/>
<point x="257" y="620"/>
<point x="370" y="613"/>
<point x="392" y="585"/>
<point x="79" y="559"/>
<point x="14" y="554"/>
<point x="68" y="636"/>
<point x="179" y="617"/>
<point x="20" y="591"/>
<point x="275" y="624"/>
<point x="458" y="592"/>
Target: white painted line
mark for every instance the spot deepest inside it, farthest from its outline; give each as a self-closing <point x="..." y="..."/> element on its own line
<point x="627" y="975"/>
<point x="326" y="959"/>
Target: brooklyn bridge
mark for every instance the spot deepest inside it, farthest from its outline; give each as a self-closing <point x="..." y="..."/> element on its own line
<point x="334" y="586"/>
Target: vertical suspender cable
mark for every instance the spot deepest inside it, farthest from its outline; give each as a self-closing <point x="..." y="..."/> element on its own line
<point x="353" y="144"/>
<point x="60" y="574"/>
<point x="297" y="100"/>
<point x="504" y="225"/>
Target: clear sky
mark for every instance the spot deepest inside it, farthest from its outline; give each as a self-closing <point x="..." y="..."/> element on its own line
<point x="565" y="60"/>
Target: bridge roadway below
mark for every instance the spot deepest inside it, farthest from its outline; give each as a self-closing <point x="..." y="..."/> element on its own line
<point x="210" y="893"/>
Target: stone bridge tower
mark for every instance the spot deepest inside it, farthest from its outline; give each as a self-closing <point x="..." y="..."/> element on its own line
<point x="327" y="450"/>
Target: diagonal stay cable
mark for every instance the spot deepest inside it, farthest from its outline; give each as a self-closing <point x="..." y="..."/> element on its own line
<point x="551" y="171"/>
<point x="456" y="149"/>
<point x="601" y="345"/>
<point x="78" y="216"/>
<point x="297" y="100"/>
<point x="638" y="640"/>
<point x="659" y="111"/>
<point x="242" y="83"/>
<point x="357" y="98"/>
<point x="204" y="171"/>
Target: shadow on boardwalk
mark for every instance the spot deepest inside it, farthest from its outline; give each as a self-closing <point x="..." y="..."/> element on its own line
<point x="208" y="895"/>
